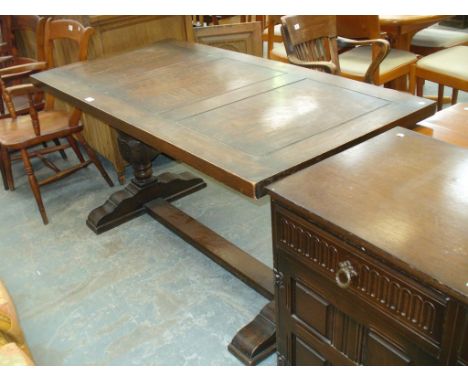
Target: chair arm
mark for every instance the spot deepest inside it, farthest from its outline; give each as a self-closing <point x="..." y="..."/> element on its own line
<point x="384" y="49"/>
<point x="327" y="66"/>
<point x="4" y="59"/>
<point x="22" y="89"/>
<point x="23" y="70"/>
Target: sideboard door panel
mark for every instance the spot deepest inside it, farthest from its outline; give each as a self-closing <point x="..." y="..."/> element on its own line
<point x="380" y="351"/>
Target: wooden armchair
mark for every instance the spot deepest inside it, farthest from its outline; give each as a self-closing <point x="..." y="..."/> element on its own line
<point x="311" y="41"/>
<point x="11" y="27"/>
<point x="23" y="133"/>
<point x="397" y="63"/>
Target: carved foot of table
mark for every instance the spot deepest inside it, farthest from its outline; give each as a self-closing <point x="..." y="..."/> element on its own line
<point x="129" y="203"/>
<point x="152" y="195"/>
<point x="257" y="340"/>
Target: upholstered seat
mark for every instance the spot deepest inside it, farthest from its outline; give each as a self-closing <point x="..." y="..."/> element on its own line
<point x="19" y="131"/>
<point x="439" y="37"/>
<point x="312" y="42"/>
<point x="447" y="67"/>
<point x="355" y="62"/>
<point x="451" y="62"/>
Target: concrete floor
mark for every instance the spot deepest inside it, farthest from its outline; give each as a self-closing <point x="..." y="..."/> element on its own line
<point x="136" y="295"/>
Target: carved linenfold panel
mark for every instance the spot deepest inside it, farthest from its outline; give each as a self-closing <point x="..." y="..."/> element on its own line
<point x="390" y="291"/>
<point x="411" y="306"/>
<point x="348" y="335"/>
<point x="312" y="247"/>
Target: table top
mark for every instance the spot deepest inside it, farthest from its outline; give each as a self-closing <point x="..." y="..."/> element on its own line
<point x="405" y="195"/>
<point x="388" y="20"/>
<point x="449" y="125"/>
<point x="244" y="120"/>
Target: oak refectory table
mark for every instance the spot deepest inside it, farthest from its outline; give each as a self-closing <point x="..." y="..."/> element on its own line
<point x="243" y="120"/>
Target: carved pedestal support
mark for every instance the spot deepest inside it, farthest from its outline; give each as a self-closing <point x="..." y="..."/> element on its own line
<point x="257" y="340"/>
<point x="150" y="194"/>
<point x="129" y="203"/>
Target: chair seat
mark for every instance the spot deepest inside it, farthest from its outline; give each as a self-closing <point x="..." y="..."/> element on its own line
<point x="451" y="62"/>
<point x="439" y="37"/>
<point x="20" y="130"/>
<point x="357" y="60"/>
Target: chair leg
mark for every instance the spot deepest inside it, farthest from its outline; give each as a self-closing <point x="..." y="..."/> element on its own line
<point x="6" y="164"/>
<point x="95" y="160"/>
<point x="2" y="169"/>
<point x="62" y="152"/>
<point x="440" y="97"/>
<point x="454" y="96"/>
<point x="419" y="87"/>
<point x="412" y="79"/>
<point x="72" y="141"/>
<point x="34" y="185"/>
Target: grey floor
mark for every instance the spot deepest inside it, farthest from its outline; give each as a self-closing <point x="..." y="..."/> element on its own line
<point x="136" y="295"/>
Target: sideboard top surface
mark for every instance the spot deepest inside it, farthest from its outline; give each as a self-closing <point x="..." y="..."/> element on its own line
<point x="404" y="194"/>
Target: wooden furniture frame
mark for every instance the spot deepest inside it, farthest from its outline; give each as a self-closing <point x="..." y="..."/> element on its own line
<point x="13" y="26"/>
<point x="25" y="132"/>
<point x="250" y="126"/>
<point x="449" y="125"/>
<point x="420" y="74"/>
<point x="368" y="27"/>
<point x="115" y="34"/>
<point x="311" y="41"/>
<point x="371" y="268"/>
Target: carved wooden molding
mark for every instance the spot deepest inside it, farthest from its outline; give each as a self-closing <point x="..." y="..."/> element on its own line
<point x="393" y="295"/>
<point x="279" y="278"/>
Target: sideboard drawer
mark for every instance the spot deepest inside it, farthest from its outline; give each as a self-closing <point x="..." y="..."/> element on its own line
<point x="403" y="299"/>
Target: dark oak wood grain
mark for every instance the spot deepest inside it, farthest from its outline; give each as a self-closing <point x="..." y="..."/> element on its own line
<point x="448" y="125"/>
<point x="410" y="206"/>
<point x="371" y="251"/>
<point x="242" y="120"/>
<point x="164" y="93"/>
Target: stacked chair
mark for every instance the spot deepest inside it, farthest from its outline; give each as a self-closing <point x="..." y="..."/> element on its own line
<point x="28" y="134"/>
<point x="11" y="27"/>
